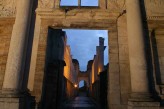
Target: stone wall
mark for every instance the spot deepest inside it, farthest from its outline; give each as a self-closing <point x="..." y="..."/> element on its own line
<point x="109" y="18"/>
<point x="155" y="25"/>
<point x="7" y="8"/>
<point x="69" y="70"/>
<point x="70" y="90"/>
<point x="73" y="19"/>
<point x="98" y="61"/>
<point x="76" y="67"/>
<point x="157" y="45"/>
<point x="6" y="25"/>
<point x="159" y="38"/>
<point x="154" y="7"/>
<point x="7" y="20"/>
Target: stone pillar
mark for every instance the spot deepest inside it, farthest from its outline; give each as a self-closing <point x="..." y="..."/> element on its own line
<point x="137" y="56"/>
<point x="16" y="51"/>
<point x="10" y="98"/>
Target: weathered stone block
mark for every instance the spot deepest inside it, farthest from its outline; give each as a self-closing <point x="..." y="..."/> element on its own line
<point x="113" y="67"/>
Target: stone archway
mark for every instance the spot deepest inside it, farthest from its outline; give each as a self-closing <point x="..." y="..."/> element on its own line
<point x="84" y="76"/>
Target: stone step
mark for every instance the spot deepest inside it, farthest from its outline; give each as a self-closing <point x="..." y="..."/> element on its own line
<point x="80" y="103"/>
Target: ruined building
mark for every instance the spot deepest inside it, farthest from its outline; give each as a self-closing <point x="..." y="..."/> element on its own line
<point x="97" y="68"/>
<point x="136" y="51"/>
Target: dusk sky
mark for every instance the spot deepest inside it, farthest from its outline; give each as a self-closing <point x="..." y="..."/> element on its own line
<point x="83" y="44"/>
<point x="75" y="2"/>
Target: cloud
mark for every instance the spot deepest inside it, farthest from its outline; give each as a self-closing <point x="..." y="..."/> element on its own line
<point x="83" y="44"/>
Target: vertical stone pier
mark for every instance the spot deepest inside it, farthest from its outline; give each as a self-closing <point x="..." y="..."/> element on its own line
<point x="140" y="97"/>
<point x="101" y="49"/>
<point x="10" y="97"/>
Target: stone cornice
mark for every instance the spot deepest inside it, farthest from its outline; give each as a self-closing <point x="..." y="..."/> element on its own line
<point x="55" y="13"/>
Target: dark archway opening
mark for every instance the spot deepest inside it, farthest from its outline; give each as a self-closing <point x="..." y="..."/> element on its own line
<point x="83" y="88"/>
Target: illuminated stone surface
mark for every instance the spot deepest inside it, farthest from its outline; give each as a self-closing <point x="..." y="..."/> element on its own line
<point x="129" y="61"/>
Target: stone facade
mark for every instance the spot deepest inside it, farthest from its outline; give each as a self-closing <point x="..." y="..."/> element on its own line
<point x="96" y="68"/>
<point x="131" y="67"/>
<point x="98" y="61"/>
<point x="69" y="70"/>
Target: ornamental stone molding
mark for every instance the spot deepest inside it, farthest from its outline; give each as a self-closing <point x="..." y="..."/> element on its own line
<point x="7" y="8"/>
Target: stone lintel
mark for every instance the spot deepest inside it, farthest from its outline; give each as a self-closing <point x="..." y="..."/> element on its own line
<point x="93" y="13"/>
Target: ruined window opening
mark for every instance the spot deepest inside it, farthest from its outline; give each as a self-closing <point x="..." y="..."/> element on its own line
<point x="89" y="2"/>
<point x="80" y="3"/>
<point x="69" y="3"/>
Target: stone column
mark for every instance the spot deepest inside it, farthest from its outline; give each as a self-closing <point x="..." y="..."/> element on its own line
<point x="16" y="54"/>
<point x="137" y="56"/>
<point x="10" y="97"/>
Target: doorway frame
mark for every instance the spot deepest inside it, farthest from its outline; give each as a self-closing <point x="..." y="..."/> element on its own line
<point x="60" y="19"/>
